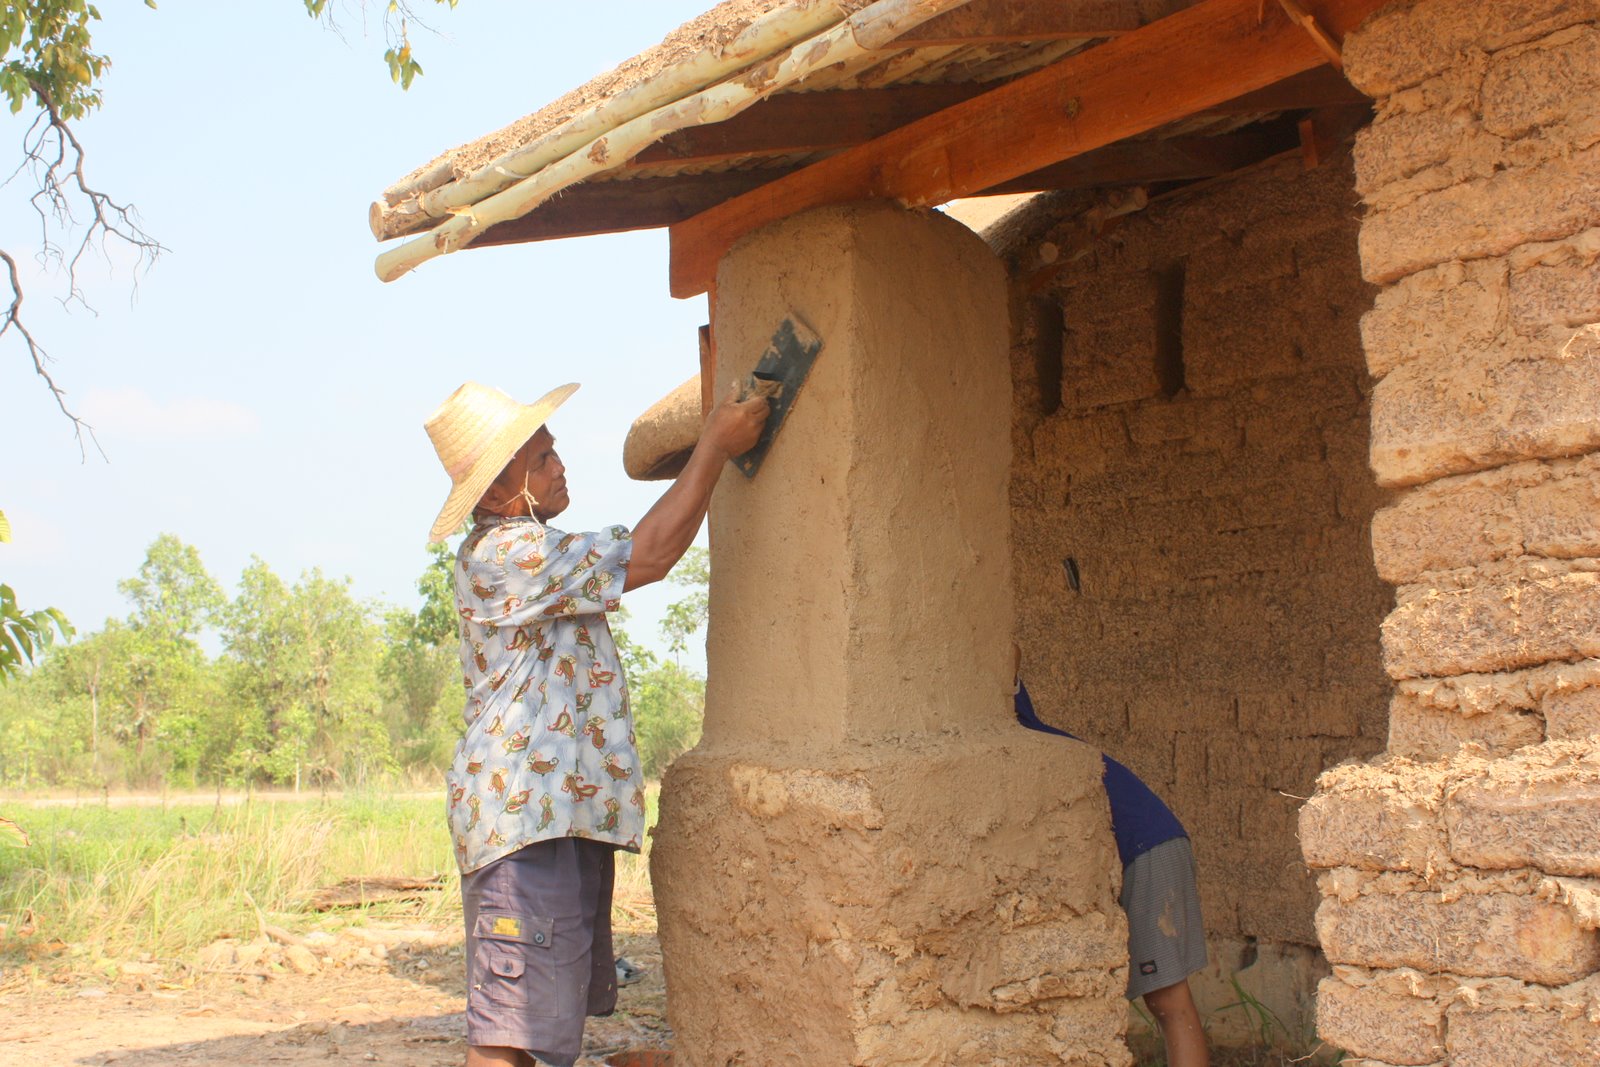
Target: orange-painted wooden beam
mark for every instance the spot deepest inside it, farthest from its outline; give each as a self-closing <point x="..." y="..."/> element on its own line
<point x="1173" y="68"/>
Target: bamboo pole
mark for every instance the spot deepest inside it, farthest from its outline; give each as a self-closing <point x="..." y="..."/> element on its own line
<point x="714" y="104"/>
<point x="419" y="203"/>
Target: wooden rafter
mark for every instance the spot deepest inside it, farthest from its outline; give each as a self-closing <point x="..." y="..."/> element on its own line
<point x="796" y="123"/>
<point x="1151" y="162"/>
<point x="616" y="206"/>
<point x="995" y="21"/>
<point x="792" y="123"/>
<point x="1169" y="70"/>
<point x="647" y="203"/>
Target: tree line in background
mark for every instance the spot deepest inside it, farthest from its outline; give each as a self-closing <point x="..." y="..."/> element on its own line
<point x="311" y="687"/>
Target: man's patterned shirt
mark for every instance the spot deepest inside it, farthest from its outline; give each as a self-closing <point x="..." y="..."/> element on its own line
<point x="549" y="748"/>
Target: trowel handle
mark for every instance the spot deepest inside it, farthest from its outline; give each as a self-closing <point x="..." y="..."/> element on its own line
<point x="760" y="383"/>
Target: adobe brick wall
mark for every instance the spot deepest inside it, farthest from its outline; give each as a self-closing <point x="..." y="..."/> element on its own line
<point x="1461" y="872"/>
<point x="1224" y="641"/>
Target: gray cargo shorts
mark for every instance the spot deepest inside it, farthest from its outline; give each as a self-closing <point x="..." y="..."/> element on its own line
<point x="1166" y="936"/>
<point x="539" y="956"/>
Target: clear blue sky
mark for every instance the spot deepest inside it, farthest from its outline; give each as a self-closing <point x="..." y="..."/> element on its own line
<point x="263" y="393"/>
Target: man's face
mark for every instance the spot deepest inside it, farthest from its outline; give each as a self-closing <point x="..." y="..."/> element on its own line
<point x="536" y="467"/>
<point x="546" y="474"/>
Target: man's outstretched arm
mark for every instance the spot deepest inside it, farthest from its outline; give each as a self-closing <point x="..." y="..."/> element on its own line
<point x="667" y="530"/>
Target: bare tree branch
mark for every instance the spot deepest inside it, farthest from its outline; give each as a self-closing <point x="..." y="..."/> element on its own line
<point x="12" y="321"/>
<point x="55" y="158"/>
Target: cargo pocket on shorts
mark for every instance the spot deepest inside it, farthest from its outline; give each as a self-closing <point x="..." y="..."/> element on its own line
<point x="512" y="968"/>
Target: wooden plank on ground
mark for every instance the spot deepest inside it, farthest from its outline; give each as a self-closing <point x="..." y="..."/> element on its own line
<point x="359" y="892"/>
<point x="1173" y="68"/>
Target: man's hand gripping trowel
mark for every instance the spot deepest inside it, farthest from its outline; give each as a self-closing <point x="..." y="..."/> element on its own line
<point x="778" y="375"/>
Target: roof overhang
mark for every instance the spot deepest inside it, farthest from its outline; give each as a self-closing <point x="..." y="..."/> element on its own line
<point x="919" y="101"/>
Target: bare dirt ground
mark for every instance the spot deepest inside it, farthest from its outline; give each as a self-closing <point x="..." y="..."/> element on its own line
<point x="393" y="996"/>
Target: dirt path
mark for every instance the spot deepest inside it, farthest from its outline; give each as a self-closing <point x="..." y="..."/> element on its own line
<point x="404" y="1010"/>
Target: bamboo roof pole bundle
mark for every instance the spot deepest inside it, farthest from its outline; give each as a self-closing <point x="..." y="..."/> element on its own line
<point x="433" y="195"/>
<point x="867" y="30"/>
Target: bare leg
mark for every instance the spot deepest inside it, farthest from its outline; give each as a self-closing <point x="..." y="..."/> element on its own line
<point x="492" y="1056"/>
<point x="1179" y="1020"/>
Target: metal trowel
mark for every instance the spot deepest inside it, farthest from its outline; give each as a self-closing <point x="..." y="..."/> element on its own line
<point x="778" y="375"/>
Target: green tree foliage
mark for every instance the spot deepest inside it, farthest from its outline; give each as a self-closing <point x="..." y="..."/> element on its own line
<point x="422" y="668"/>
<point x="668" y="699"/>
<point x="685" y="617"/>
<point x="303" y="660"/>
<point x="173" y="596"/>
<point x="311" y="687"/>
<point x="24" y="634"/>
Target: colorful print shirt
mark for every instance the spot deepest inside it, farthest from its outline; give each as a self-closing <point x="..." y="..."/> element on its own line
<point x="548" y="750"/>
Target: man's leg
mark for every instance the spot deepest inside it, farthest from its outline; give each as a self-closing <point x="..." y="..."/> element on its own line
<point x="530" y="929"/>
<point x="1179" y="1020"/>
<point x="488" y="1056"/>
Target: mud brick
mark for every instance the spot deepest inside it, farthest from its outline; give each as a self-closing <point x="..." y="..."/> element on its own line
<point x="1520" y="1038"/>
<point x="1437" y="314"/>
<point x="1436" y="130"/>
<point x="1496" y="619"/>
<point x="1559" y="288"/>
<point x="1270" y="815"/>
<point x="1281" y="897"/>
<point x="1537" y="402"/>
<point x="1110" y="362"/>
<point x="1406" y="44"/>
<point x="1214" y="809"/>
<point x="1334" y="712"/>
<point x="1478" y="935"/>
<point x="1246" y="761"/>
<point x="1549" y="87"/>
<point x="1369" y="1022"/>
<point x="1158" y="424"/>
<point x="1485" y="217"/>
<point x="1374" y="820"/>
<point x="1103" y="294"/>
<point x="1272" y="714"/>
<point x="1547" y="818"/>
<point x="1543" y="508"/>
<point x="1573" y="716"/>
<point x="1189" y="755"/>
<point x="1419" y="731"/>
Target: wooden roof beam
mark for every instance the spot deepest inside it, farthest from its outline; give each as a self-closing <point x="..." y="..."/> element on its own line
<point x="646" y="203"/>
<point x="1000" y="21"/>
<point x="1179" y="159"/>
<point x="790" y="123"/>
<point x="1173" y="68"/>
<point x="591" y="208"/>
<point x="795" y="123"/>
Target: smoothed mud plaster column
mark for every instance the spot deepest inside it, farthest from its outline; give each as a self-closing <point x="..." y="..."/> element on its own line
<point x="865" y="861"/>
<point x="1461" y="884"/>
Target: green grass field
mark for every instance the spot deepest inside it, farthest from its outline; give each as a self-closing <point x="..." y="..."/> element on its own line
<point x="127" y="882"/>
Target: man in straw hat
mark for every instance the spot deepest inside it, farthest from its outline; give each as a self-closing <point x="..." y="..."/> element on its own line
<point x="545" y="784"/>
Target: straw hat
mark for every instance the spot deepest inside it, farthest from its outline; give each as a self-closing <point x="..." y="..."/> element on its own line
<point x="475" y="433"/>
